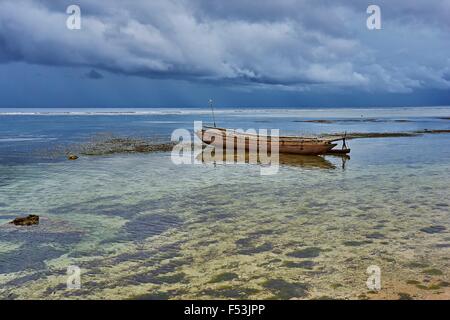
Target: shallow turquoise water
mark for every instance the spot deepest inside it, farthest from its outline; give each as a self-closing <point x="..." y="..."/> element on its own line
<point x="139" y="226"/>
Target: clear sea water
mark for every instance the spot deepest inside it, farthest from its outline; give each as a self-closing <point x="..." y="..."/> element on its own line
<point x="139" y="226"/>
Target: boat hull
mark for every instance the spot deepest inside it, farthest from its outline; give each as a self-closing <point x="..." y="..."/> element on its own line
<point x="225" y="139"/>
<point x="339" y="151"/>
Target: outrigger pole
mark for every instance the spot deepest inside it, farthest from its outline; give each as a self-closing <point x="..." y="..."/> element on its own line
<point x="212" y="110"/>
<point x="344" y="145"/>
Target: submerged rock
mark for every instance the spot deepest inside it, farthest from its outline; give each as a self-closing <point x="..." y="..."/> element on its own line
<point x="26" y="221"/>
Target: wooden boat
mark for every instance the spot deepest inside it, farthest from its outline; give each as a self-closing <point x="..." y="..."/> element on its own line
<point x="227" y="138"/>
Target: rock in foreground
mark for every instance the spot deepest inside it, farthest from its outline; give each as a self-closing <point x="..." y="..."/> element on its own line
<point x="72" y="157"/>
<point x="26" y="221"/>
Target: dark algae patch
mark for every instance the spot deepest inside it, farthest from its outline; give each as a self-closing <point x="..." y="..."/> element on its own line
<point x="375" y="235"/>
<point x="433" y="272"/>
<point x="286" y="290"/>
<point x="147" y="225"/>
<point x="324" y="298"/>
<point x="244" y="242"/>
<point x="442" y="245"/>
<point x="354" y="243"/>
<point x="430" y="287"/>
<point x="421" y="286"/>
<point x="175" y="278"/>
<point x="417" y="265"/>
<point x="110" y="207"/>
<point x="157" y="295"/>
<point x="412" y="282"/>
<point x="404" y="296"/>
<point x="433" y="229"/>
<point x="302" y="265"/>
<point x="164" y="273"/>
<point x="249" y="245"/>
<point x="46" y="241"/>
<point x="230" y="292"/>
<point x="434" y="287"/>
<point x="31" y="277"/>
<point x="226" y="276"/>
<point x="28" y="258"/>
<point x="257" y="249"/>
<point x="311" y="252"/>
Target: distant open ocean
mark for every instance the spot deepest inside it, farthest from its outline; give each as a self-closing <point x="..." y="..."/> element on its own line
<point x="141" y="227"/>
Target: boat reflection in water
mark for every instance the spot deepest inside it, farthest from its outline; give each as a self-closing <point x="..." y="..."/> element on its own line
<point x="208" y="156"/>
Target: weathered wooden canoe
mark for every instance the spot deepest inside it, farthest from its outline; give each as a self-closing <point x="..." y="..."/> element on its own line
<point x="227" y="138"/>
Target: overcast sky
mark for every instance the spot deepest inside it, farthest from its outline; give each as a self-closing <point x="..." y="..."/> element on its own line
<point x="145" y="53"/>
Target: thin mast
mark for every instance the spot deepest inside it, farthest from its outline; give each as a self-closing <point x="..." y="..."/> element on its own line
<point x="212" y="110"/>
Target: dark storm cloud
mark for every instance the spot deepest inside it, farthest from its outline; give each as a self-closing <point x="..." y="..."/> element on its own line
<point x="290" y="44"/>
